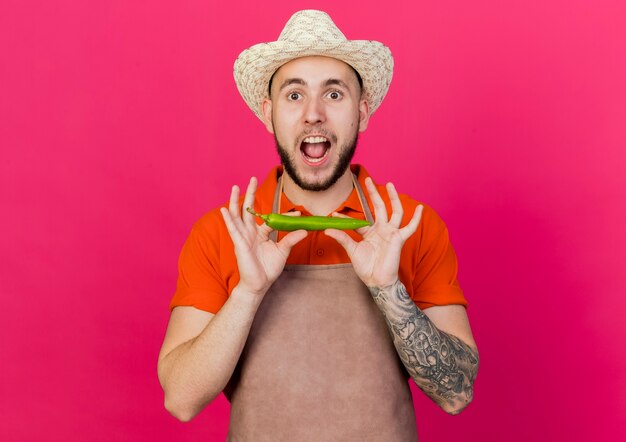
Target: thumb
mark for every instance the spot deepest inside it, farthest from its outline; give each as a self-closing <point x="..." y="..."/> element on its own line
<point x="290" y="240"/>
<point x="343" y="239"/>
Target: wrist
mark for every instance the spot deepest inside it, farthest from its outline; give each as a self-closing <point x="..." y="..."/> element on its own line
<point x="389" y="295"/>
<point x="247" y="296"/>
<point x="383" y="286"/>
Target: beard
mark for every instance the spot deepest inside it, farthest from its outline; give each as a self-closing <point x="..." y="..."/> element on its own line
<point x="346" y="153"/>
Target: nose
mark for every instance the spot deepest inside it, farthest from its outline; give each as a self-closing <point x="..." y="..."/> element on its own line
<point x="314" y="112"/>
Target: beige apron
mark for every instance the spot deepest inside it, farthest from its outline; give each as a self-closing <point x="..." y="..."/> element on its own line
<point x="319" y="364"/>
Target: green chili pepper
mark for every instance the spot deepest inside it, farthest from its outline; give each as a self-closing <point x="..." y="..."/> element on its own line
<point x="290" y="223"/>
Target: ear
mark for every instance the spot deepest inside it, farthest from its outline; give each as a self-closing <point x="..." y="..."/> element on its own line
<point x="266" y="108"/>
<point x="364" y="115"/>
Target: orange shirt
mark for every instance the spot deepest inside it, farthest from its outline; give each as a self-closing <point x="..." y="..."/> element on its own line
<point x="208" y="266"/>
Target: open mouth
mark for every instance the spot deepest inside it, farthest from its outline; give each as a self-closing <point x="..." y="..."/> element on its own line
<point x="315" y="149"/>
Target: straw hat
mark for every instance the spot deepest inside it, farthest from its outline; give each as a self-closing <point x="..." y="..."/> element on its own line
<point x="309" y="33"/>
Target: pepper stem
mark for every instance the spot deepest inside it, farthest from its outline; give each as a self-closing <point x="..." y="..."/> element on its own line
<point x="263" y="217"/>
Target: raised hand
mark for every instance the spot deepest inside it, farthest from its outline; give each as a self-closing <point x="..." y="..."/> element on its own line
<point x="376" y="258"/>
<point x="259" y="259"/>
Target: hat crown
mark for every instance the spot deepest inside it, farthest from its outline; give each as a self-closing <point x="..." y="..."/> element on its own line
<point x="312" y="33"/>
<point x="310" y="26"/>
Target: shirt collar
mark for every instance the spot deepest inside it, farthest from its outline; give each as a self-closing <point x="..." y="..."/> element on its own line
<point x="268" y="188"/>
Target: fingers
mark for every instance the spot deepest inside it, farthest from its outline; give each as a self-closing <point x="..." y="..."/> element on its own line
<point x="234" y="232"/>
<point x="233" y="204"/>
<point x="291" y="239"/>
<point x="242" y="221"/>
<point x="248" y="201"/>
<point x="397" y="212"/>
<point x="265" y="230"/>
<point x="380" y="211"/>
<point x="234" y="210"/>
<point x="262" y="229"/>
<point x="411" y="227"/>
<point x="292" y="213"/>
<point x="343" y="239"/>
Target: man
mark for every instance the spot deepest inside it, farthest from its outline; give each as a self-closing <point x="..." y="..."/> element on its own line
<point x="313" y="335"/>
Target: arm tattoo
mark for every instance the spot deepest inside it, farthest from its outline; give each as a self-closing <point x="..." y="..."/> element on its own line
<point x="442" y="365"/>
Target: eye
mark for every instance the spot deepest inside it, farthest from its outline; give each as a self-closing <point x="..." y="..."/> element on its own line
<point x="294" y="96"/>
<point x="334" y="95"/>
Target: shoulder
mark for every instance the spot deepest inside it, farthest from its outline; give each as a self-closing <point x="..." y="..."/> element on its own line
<point x="206" y="243"/>
<point x="212" y="226"/>
<point x="208" y="232"/>
<point x="210" y="222"/>
<point x="430" y="219"/>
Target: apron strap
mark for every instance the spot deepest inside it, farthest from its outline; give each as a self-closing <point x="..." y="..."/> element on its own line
<point x="362" y="199"/>
<point x="276" y="206"/>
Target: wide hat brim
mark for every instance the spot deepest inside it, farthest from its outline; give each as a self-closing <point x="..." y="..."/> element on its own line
<point x="312" y="33"/>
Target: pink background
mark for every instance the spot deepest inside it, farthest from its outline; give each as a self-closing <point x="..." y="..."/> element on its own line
<point x="120" y="125"/>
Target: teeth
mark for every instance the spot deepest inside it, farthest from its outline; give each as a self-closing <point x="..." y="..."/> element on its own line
<point x="314" y="140"/>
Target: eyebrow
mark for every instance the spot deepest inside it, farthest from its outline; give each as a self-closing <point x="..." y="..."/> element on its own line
<point x="290" y="81"/>
<point x="337" y="82"/>
<point x="300" y="81"/>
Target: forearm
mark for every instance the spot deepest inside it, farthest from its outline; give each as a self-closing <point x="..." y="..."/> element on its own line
<point x="442" y="365"/>
<point x="195" y="372"/>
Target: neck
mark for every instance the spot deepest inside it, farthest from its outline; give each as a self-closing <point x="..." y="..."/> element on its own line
<point x="323" y="202"/>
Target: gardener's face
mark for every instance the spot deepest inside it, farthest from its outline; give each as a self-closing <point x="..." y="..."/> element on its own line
<point x="315" y="113"/>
